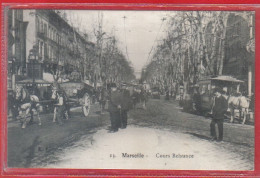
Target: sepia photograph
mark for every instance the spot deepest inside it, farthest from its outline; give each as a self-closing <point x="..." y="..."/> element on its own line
<point x="130" y="89"/>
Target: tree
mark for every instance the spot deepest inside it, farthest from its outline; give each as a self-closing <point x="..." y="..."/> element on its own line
<point x="193" y="48"/>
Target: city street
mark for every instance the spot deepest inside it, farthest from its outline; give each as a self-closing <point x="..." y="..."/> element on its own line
<point x="179" y="71"/>
<point x="160" y="137"/>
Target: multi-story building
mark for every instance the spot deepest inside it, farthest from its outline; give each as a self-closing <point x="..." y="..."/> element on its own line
<point x="16" y="45"/>
<point x="58" y="44"/>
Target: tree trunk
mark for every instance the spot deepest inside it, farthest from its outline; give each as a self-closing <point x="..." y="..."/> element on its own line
<point x="222" y="49"/>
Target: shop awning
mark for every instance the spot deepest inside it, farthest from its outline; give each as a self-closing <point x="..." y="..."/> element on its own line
<point x="30" y="81"/>
<point x="227" y="79"/>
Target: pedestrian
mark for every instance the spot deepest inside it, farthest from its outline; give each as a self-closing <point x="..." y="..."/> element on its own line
<point x="143" y="97"/>
<point x="12" y="104"/>
<point x="34" y="99"/>
<point x="252" y="103"/>
<point x="125" y="105"/>
<point x="66" y="114"/>
<point x="197" y="100"/>
<point x="135" y="97"/>
<point x="60" y="107"/>
<point x="219" y="108"/>
<point x="114" y="108"/>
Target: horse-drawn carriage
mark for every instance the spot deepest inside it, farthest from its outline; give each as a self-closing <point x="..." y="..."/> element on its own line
<point x="206" y="88"/>
<point x="35" y="96"/>
<point x="202" y="96"/>
<point x="77" y="94"/>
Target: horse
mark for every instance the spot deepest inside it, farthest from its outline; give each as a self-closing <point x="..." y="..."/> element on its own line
<point x="239" y="102"/>
<point x="55" y="97"/>
<point x="27" y="104"/>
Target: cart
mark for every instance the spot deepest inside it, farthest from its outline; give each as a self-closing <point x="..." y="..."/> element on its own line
<point x="78" y="94"/>
<point x="207" y="87"/>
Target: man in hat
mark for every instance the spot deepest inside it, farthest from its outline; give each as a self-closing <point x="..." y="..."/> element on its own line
<point x="114" y="107"/>
<point x="12" y="104"/>
<point x="125" y="104"/>
<point x="60" y="107"/>
<point x="219" y="108"/>
<point x="197" y="99"/>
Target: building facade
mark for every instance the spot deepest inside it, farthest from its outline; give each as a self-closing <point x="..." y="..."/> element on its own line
<point x="16" y="46"/>
<point x="59" y="47"/>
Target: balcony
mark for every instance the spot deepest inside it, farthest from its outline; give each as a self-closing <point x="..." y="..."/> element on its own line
<point x="41" y="35"/>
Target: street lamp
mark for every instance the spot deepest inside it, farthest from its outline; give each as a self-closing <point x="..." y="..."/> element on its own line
<point x="32" y="58"/>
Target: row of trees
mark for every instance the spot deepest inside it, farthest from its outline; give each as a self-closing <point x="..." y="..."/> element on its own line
<point x="193" y="48"/>
<point x="101" y="63"/>
<point x="112" y="65"/>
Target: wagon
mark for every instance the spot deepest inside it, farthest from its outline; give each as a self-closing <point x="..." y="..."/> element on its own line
<point x="201" y="95"/>
<point x="206" y="88"/>
<point x="78" y="94"/>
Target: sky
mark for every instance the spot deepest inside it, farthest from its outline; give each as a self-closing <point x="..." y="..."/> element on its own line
<point x="140" y="34"/>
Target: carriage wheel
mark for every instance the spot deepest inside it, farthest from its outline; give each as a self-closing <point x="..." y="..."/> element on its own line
<point x="86" y="105"/>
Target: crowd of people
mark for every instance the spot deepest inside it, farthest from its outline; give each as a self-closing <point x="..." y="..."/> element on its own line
<point x="119" y="102"/>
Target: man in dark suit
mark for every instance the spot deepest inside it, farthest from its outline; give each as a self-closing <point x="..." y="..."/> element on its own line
<point x="12" y="104"/>
<point x="114" y="107"/>
<point x="219" y="108"/>
<point x="125" y="104"/>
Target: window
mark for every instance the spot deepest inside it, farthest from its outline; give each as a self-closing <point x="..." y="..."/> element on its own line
<point x="49" y="32"/>
<point x="45" y="29"/>
<point x="55" y="54"/>
<point x="41" y="48"/>
<point x="54" y="35"/>
<point x="41" y="27"/>
<point x="37" y="24"/>
<point x="15" y="13"/>
<point x="47" y="50"/>
<point x="51" y="51"/>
